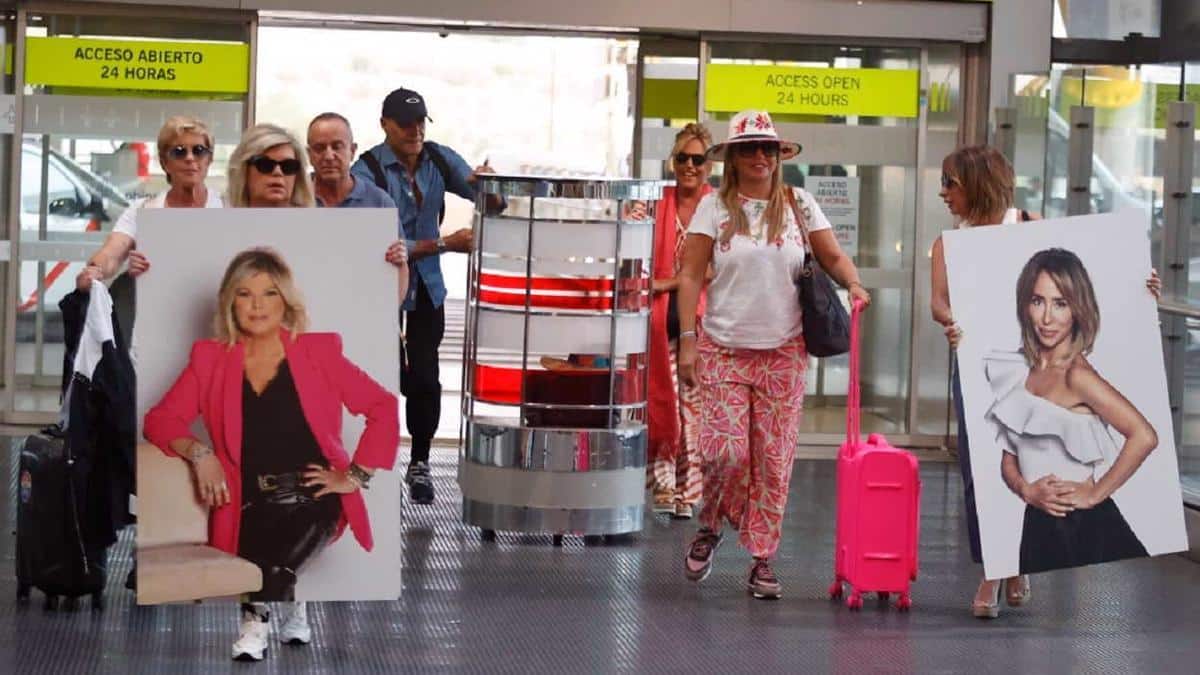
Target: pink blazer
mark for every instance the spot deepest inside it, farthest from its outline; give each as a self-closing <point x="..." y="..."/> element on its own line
<point x="211" y="387"/>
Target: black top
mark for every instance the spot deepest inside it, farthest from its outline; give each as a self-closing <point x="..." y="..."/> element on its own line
<point x="275" y="436"/>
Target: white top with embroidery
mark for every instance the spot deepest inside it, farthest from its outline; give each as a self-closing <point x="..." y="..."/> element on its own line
<point x="1046" y="437"/>
<point x="752" y="300"/>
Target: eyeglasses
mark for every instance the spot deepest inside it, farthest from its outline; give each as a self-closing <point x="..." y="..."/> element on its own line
<point x="182" y="151"/>
<point x="948" y="182"/>
<point x="751" y="148"/>
<point x="685" y="157"/>
<point x="266" y="165"/>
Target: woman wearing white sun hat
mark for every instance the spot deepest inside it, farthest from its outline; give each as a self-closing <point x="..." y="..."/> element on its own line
<point x="751" y="353"/>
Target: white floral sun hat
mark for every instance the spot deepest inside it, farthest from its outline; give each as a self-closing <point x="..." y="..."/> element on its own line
<point x="752" y="126"/>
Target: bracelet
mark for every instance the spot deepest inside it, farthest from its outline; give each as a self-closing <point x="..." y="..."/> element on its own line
<point x="687" y="333"/>
<point x="358" y="475"/>
<point x="198" y="451"/>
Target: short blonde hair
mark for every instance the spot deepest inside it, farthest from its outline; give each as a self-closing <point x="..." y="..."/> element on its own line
<point x="987" y="179"/>
<point x="176" y="126"/>
<point x="1067" y="272"/>
<point x="693" y="130"/>
<point x="255" y="141"/>
<point x="260" y="260"/>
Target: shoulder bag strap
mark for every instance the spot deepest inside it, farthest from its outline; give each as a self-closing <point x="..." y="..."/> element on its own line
<point x="800" y="222"/>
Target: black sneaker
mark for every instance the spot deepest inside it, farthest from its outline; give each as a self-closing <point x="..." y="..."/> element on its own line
<point x="420" y="483"/>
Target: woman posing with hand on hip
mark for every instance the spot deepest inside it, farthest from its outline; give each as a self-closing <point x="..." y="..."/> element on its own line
<point x="750" y="357"/>
<point x="977" y="187"/>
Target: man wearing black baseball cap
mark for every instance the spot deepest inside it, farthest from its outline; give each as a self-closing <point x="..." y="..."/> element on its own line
<point x="418" y="174"/>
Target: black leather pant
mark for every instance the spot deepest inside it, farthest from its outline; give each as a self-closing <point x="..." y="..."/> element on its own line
<point x="280" y="530"/>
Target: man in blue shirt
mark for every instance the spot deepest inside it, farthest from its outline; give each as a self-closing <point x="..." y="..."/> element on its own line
<point x="417" y="174"/>
<point x="331" y="148"/>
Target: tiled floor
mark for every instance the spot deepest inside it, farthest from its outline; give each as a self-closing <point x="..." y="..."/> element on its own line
<point x="521" y="605"/>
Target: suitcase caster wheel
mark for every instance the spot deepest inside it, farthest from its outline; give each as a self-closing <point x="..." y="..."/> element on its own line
<point x="70" y="604"/>
<point x="487" y="535"/>
<point x="51" y="604"/>
<point x="883" y="596"/>
<point x="904" y="603"/>
<point x="854" y="601"/>
<point x="557" y="539"/>
<point x="97" y="601"/>
<point x="593" y="540"/>
<point x="835" y="590"/>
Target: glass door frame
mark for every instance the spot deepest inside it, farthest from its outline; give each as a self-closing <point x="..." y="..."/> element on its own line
<point x="971" y="128"/>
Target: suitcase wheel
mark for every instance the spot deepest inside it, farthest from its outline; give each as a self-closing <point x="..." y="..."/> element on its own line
<point x="883" y="597"/>
<point x="904" y="603"/>
<point x="855" y="600"/>
<point x="487" y="535"/>
<point x="835" y="590"/>
<point x="97" y="601"/>
<point x="51" y="604"/>
<point x="69" y="604"/>
<point x="557" y="539"/>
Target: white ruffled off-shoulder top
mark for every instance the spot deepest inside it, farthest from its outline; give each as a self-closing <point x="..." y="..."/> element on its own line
<point x="1046" y="437"/>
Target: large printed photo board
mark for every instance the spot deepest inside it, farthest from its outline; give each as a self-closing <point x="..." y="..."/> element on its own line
<point x="1065" y="393"/>
<point x="349" y="292"/>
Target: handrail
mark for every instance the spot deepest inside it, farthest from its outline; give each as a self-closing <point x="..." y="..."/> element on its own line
<point x="1184" y="308"/>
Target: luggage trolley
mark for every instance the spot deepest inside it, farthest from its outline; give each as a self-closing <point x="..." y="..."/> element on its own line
<point x="553" y="434"/>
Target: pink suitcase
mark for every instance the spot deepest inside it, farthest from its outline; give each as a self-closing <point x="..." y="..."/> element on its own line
<point x="879" y="496"/>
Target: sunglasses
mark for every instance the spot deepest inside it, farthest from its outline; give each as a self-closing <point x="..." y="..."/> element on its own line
<point x="197" y="151"/>
<point x="685" y="157"/>
<point x="266" y="165"/>
<point x="948" y="182"/>
<point x="768" y="148"/>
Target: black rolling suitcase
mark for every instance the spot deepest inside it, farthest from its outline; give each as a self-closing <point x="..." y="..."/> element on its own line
<point x="53" y="552"/>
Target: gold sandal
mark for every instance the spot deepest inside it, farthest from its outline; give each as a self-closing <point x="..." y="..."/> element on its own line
<point x="989" y="609"/>
<point x="1018" y="593"/>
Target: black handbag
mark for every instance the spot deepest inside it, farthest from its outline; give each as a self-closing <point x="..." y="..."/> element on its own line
<point x="823" y="317"/>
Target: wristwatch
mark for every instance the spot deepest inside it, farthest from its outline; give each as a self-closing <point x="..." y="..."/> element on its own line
<point x="441" y="245"/>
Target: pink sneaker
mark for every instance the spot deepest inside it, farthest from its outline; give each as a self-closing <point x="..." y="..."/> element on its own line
<point x="699" y="560"/>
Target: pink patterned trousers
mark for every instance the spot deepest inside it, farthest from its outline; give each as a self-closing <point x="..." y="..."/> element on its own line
<point x="681" y="475"/>
<point x="749" y="426"/>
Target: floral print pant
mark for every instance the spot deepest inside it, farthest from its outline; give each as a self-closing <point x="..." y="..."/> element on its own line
<point x="749" y="426"/>
<point x="681" y="476"/>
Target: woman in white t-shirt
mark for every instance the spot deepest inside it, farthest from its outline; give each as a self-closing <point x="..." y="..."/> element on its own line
<point x="751" y="350"/>
<point x="185" y="147"/>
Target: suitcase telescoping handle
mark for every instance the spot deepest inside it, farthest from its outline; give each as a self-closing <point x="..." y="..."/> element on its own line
<point x="853" y="394"/>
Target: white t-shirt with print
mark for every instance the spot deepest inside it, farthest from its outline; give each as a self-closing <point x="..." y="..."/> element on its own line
<point x="127" y="222"/>
<point x="752" y="300"/>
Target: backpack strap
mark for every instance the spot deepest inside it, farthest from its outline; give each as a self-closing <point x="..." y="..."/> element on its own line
<point x="439" y="160"/>
<point x="376" y="169"/>
<point x="1025" y="217"/>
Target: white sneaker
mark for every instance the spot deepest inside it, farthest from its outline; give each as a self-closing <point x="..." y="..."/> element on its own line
<point x="251" y="644"/>
<point x="295" y="630"/>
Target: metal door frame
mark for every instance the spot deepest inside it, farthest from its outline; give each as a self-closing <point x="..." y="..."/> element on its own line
<point x="11" y="248"/>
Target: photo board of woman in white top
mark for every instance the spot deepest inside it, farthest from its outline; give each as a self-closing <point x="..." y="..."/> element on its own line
<point x="1065" y="394"/>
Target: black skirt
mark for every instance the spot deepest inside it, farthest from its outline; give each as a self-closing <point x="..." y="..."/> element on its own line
<point x="1084" y="537"/>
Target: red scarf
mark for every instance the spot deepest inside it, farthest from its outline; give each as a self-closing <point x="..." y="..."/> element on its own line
<point x="662" y="397"/>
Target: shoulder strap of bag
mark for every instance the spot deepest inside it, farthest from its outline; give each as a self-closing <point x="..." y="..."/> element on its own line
<point x="376" y="169"/>
<point x="800" y="222"/>
<point x="1025" y="217"/>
